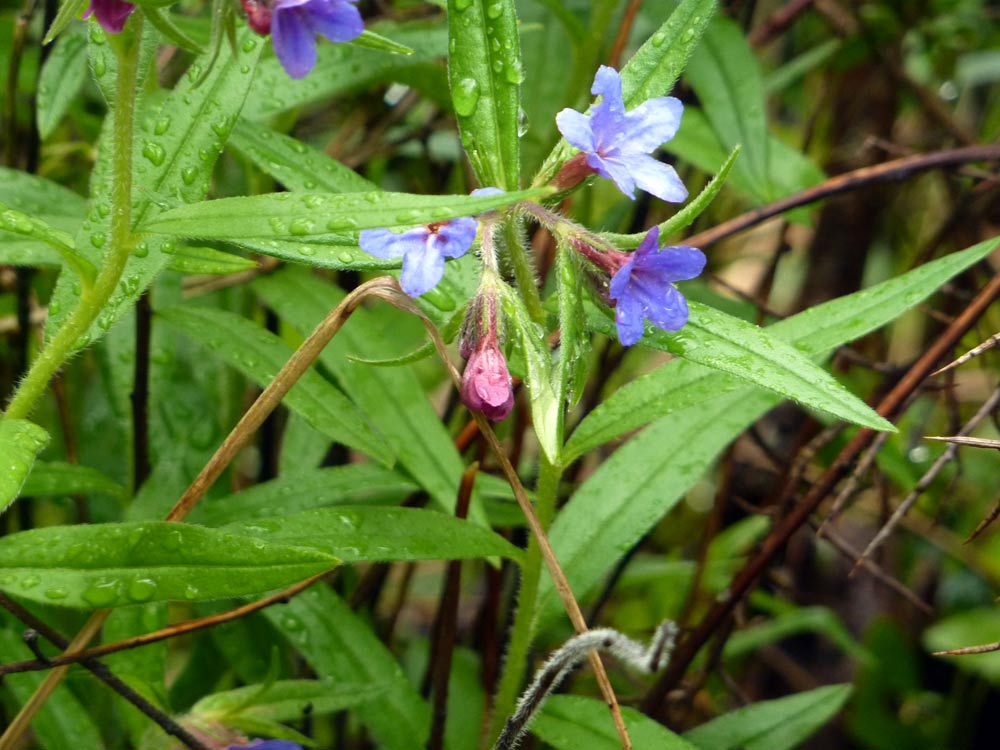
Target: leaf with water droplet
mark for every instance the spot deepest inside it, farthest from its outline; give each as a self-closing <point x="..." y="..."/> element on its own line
<point x="20" y="442"/>
<point x="140" y="562"/>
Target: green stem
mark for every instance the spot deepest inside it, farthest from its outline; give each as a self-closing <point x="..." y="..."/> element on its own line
<point x="524" y="271"/>
<point x="522" y="633"/>
<point x="93" y="298"/>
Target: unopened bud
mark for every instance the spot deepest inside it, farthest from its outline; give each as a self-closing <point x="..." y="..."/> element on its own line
<point x="486" y="383"/>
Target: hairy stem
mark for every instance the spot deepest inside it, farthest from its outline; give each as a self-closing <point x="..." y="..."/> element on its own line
<point x="93" y="298"/>
<point x="524" y="271"/>
<point x="516" y="663"/>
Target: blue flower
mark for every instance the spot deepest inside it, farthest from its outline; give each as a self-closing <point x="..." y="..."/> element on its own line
<point x="110" y="14"/>
<point x="267" y="745"/>
<point x="643" y="287"/>
<point x="294" y="24"/>
<point x="618" y="145"/>
<point x="423" y="250"/>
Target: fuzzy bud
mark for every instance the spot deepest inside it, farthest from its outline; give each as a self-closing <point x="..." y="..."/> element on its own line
<point x="486" y="383"/>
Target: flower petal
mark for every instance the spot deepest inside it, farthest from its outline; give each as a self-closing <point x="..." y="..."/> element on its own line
<point x="111" y="14"/>
<point x="629" y="320"/>
<point x="615" y="169"/>
<point x="670" y="312"/>
<point x="674" y="263"/>
<point x="387" y="245"/>
<point x="337" y="20"/>
<point x="655" y="177"/>
<point x="293" y="41"/>
<point x="618" y="288"/>
<point x="454" y="238"/>
<point x="422" y="270"/>
<point x="652" y="123"/>
<point x="575" y="128"/>
<point x="608" y="117"/>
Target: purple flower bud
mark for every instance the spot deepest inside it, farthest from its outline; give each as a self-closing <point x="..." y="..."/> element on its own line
<point x="267" y="745"/>
<point x="486" y="384"/>
<point x="110" y="14"/>
<point x="295" y="23"/>
<point x="618" y="145"/>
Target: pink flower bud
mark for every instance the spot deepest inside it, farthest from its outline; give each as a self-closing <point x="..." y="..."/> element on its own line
<point x="486" y="384"/>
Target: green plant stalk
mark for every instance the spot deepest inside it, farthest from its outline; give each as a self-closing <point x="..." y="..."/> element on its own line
<point x="93" y="298"/>
<point x="522" y="633"/>
<point x="524" y="271"/>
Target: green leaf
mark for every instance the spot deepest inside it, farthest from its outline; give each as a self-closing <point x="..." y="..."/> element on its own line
<point x="284" y="700"/>
<point x="643" y="480"/>
<point x="20" y="442"/>
<point x="371" y="40"/>
<point x="546" y="404"/>
<point x="723" y="342"/>
<point x="484" y="70"/>
<point x="299" y="215"/>
<point x="62" y="721"/>
<point x="41" y="198"/>
<point x="117" y="564"/>
<point x="69" y="11"/>
<point x="342" y="68"/>
<point x="176" y="147"/>
<point x="18" y="223"/>
<point x="571" y="722"/>
<point x="772" y="725"/>
<point x="973" y="627"/>
<point x="727" y="79"/>
<point x="334" y="252"/>
<point x="207" y="260"/>
<point x="392" y="397"/>
<point x="294" y="164"/>
<point x="658" y="63"/>
<point x="162" y="22"/>
<point x="339" y="645"/>
<point x="337" y="485"/>
<point x="814" y="332"/>
<point x="574" y="339"/>
<point x="259" y="354"/>
<point x="686" y="216"/>
<point x="58" y="478"/>
<point x="375" y="533"/>
<point x="62" y="76"/>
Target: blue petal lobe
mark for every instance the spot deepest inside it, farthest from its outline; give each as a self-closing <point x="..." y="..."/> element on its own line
<point x="575" y="128"/>
<point x="422" y="270"/>
<point x="628" y="320"/>
<point x="293" y="41"/>
<point x="387" y="245"/>
<point x="618" y="170"/>
<point x="671" y="311"/>
<point x="677" y="263"/>
<point x="455" y="237"/>
<point x="653" y="123"/>
<point x="656" y="178"/>
<point x="336" y="20"/>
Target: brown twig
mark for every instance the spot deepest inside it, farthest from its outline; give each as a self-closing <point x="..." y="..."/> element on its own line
<point x="929" y="476"/>
<point x="102" y="673"/>
<point x="156" y="636"/>
<point x="624" y="29"/>
<point x="778" y="21"/>
<point x="779" y="536"/>
<point x="897" y="169"/>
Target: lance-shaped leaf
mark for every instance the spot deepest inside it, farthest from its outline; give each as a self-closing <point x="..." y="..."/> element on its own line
<point x="570" y="722"/>
<point x="20" y="442"/>
<point x="732" y="345"/>
<point x="292" y="216"/>
<point x="59" y="478"/>
<point x="176" y="147"/>
<point x="339" y="645"/>
<point x="259" y="354"/>
<point x="61" y="78"/>
<point x="814" y="332"/>
<point x="644" y="479"/>
<point x="484" y="70"/>
<point x="118" y="564"/>
<point x="780" y="724"/>
<point x="382" y="534"/>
